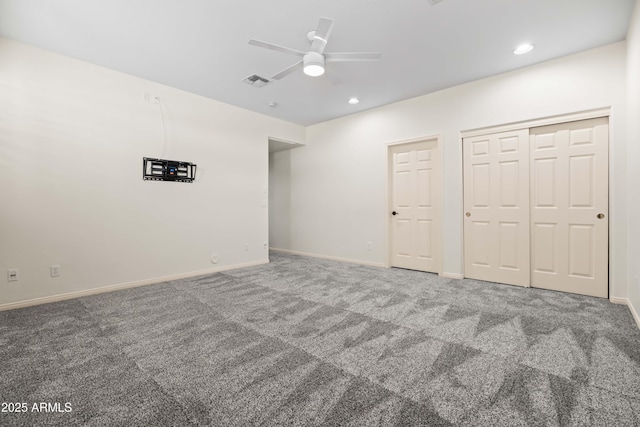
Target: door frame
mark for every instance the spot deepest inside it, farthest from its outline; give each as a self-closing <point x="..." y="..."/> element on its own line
<point x="389" y="193"/>
<point x="545" y="121"/>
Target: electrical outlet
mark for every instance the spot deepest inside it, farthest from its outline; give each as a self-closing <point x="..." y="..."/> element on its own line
<point x="369" y="246"/>
<point x="246" y="247"/>
<point x="13" y="275"/>
<point x="55" y="270"/>
<point x="264" y="245"/>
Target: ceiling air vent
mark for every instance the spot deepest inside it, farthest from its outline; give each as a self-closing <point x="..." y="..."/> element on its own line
<point x="434" y="2"/>
<point x="255" y="80"/>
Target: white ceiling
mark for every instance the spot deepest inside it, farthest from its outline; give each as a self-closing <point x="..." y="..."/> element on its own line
<point x="201" y="45"/>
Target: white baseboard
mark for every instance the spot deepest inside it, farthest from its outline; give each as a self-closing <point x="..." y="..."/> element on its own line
<point x="632" y="309"/>
<point x="111" y="288"/>
<point x="616" y="300"/>
<point x="331" y="258"/>
<point x="457" y="276"/>
<point x="634" y="313"/>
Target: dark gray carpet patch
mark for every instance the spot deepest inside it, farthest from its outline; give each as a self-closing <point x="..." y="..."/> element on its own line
<point x="490" y="320"/>
<point x="371" y="332"/>
<point x="451" y="356"/>
<point x="586" y="341"/>
<point x="455" y="312"/>
<point x="357" y="401"/>
<point x="515" y="389"/>
<point x="564" y="396"/>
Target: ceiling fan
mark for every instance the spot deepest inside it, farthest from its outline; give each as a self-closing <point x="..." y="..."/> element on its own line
<point x="313" y="61"/>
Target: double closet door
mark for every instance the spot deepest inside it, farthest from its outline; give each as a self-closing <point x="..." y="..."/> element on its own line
<point x="536" y="207"/>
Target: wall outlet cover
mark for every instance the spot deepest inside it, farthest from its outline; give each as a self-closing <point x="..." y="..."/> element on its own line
<point x="55" y="270"/>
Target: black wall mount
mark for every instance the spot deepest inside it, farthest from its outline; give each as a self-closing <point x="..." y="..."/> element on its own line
<point x="167" y="170"/>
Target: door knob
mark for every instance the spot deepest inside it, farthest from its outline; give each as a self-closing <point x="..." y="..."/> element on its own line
<point x="468" y="214"/>
<point x="394" y="213"/>
<point x="600" y="215"/>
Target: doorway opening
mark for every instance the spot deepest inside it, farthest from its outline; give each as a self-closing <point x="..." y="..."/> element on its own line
<point x="279" y="192"/>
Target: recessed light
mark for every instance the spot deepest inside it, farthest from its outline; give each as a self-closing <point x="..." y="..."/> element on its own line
<point x="353" y="100"/>
<point x="523" y="48"/>
<point x="272" y="103"/>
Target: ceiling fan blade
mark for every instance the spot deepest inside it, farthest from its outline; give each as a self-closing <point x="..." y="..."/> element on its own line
<point x="323" y="31"/>
<point x="287" y="71"/>
<point x="275" y="47"/>
<point x="352" y="56"/>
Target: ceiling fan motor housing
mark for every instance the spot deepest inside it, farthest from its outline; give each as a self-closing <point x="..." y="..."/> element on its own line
<point x="313" y="64"/>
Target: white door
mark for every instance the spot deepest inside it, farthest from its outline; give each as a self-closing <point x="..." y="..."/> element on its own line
<point x="415" y="202"/>
<point x="496" y="206"/>
<point x="569" y="201"/>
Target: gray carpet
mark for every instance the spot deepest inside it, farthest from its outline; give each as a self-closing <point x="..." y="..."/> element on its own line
<point x="302" y="341"/>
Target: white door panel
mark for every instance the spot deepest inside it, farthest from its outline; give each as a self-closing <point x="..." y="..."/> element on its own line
<point x="496" y="204"/>
<point x="570" y="189"/>
<point x="415" y="197"/>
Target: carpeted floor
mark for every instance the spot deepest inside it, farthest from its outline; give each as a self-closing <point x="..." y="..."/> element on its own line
<point x="303" y="341"/>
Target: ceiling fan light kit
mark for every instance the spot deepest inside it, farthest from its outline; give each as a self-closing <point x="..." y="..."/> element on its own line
<point x="313" y="61"/>
<point x="313" y="64"/>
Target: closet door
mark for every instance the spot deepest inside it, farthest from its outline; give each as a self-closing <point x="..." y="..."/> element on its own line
<point x="496" y="205"/>
<point x="569" y="207"/>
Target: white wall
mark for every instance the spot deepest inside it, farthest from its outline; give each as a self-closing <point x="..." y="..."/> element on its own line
<point x="280" y="199"/>
<point x="72" y="138"/>
<point x="633" y="158"/>
<point x="338" y="194"/>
